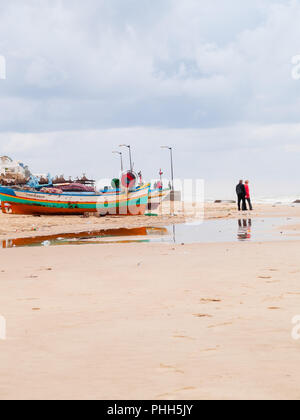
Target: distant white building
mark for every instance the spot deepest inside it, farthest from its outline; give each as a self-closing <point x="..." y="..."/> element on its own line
<point x="11" y="167"/>
<point x="39" y="176"/>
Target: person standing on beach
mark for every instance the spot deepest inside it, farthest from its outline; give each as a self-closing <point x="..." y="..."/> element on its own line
<point x="241" y="194"/>
<point x="248" y="198"/>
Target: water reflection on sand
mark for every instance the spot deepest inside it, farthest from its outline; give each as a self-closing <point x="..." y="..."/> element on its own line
<point x="209" y="231"/>
<point x="244" y="229"/>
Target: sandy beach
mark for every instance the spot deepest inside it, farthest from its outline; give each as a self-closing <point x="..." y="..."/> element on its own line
<point x="149" y="321"/>
<point x="130" y="135"/>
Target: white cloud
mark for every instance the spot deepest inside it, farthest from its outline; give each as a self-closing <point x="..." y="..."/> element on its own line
<point x="214" y="78"/>
<point x="193" y="56"/>
<point x="21" y="144"/>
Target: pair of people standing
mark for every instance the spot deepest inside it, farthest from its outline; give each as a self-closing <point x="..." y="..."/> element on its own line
<point x="243" y="194"/>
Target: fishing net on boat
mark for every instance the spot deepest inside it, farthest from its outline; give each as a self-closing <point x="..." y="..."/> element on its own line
<point x="77" y="188"/>
<point x="51" y="190"/>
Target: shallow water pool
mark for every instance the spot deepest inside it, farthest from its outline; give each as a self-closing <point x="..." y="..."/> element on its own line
<point x="210" y="231"/>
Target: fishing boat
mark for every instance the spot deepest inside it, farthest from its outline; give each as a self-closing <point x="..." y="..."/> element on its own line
<point x="125" y="202"/>
<point x="156" y="197"/>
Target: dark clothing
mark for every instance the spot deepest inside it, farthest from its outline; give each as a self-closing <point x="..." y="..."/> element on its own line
<point x="241" y="193"/>
<point x="249" y="203"/>
<point x="241" y="190"/>
<point x="242" y="199"/>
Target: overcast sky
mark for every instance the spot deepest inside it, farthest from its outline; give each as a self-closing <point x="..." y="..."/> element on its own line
<point x="212" y="78"/>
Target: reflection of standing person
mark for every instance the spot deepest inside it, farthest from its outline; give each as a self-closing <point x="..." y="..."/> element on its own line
<point x="248" y="198"/>
<point x="241" y="194"/>
<point x="244" y="230"/>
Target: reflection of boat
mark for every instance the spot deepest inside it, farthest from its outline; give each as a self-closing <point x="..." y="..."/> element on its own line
<point x="18" y="201"/>
<point x="76" y="238"/>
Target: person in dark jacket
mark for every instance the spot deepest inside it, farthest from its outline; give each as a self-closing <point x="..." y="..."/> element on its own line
<point x="241" y="194"/>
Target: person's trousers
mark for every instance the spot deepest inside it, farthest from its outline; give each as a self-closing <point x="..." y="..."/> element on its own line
<point x="242" y="199"/>
<point x="249" y="203"/>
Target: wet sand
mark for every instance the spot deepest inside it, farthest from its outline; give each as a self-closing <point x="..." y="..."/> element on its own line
<point x="151" y="321"/>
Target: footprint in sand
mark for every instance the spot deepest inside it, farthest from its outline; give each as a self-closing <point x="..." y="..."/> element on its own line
<point x="220" y="325"/>
<point x="169" y="394"/>
<point x="162" y="366"/>
<point x="184" y="336"/>
<point x="211" y="349"/>
<point x="187" y="388"/>
<point x="164" y="396"/>
<point x="167" y="366"/>
<point x="210" y="300"/>
<point x="28" y="299"/>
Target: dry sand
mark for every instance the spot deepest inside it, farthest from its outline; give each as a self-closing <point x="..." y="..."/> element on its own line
<point x="150" y="321"/>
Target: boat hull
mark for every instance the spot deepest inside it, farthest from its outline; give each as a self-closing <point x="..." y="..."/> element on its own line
<point x="156" y="197"/>
<point x="38" y="203"/>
